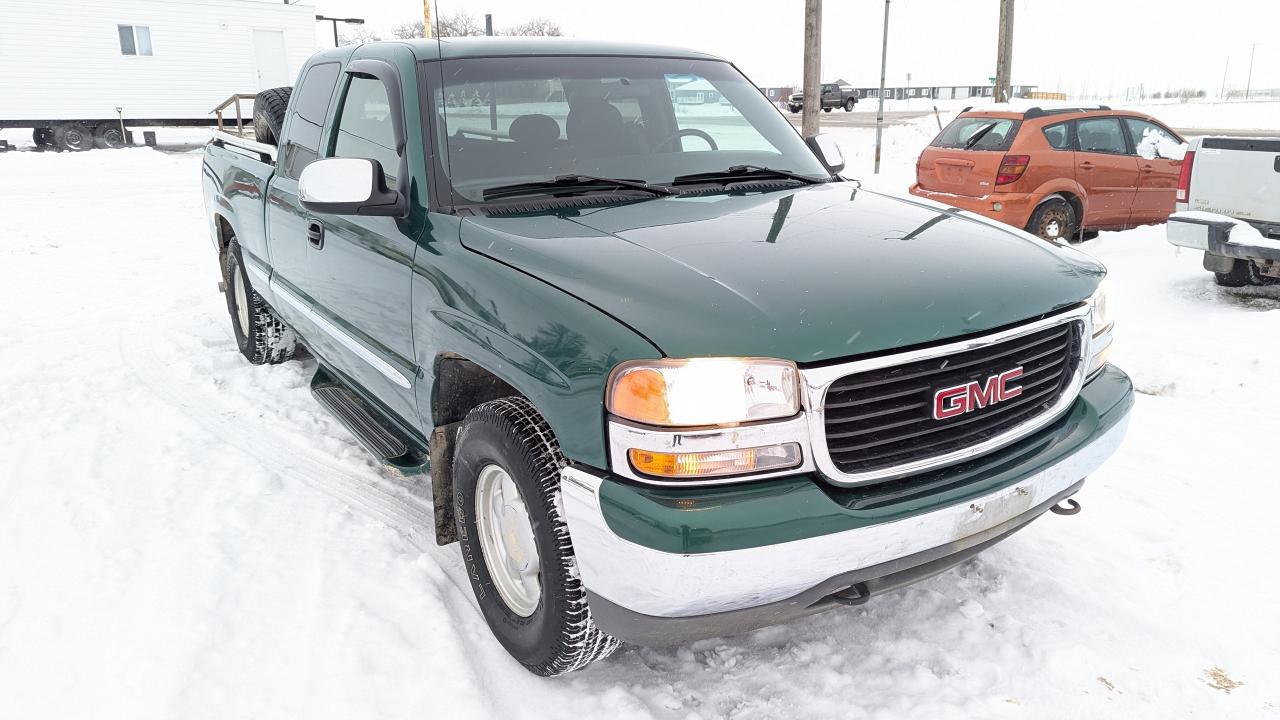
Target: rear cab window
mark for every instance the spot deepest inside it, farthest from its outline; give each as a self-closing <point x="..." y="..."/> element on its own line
<point x="306" y="122"/>
<point x="978" y="133"/>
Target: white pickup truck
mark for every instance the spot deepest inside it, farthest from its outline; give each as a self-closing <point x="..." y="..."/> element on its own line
<point x="1228" y="205"/>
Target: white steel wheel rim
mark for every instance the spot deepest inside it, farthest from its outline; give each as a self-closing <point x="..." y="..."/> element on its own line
<point x="507" y="542"/>
<point x="1053" y="229"/>
<point x="241" y="300"/>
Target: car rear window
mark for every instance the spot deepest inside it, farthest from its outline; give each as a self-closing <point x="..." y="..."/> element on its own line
<point x="991" y="133"/>
<point x="1059" y="136"/>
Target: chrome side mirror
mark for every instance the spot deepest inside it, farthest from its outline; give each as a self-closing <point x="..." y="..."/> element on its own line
<point x="348" y="186"/>
<point x="827" y="150"/>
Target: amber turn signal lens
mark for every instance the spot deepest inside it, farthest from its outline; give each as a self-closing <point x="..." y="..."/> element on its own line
<point x="716" y="463"/>
<point x="642" y="394"/>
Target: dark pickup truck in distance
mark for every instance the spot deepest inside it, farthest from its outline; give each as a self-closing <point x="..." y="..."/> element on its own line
<point x="664" y="374"/>
<point x="833" y="96"/>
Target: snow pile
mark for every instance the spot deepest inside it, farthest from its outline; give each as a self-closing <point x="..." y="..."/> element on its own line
<point x="185" y="536"/>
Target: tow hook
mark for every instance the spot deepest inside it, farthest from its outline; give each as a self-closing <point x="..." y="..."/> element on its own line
<point x="855" y="594"/>
<point x="1072" y="507"/>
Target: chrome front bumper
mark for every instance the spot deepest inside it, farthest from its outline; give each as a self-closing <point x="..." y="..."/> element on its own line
<point x="674" y="585"/>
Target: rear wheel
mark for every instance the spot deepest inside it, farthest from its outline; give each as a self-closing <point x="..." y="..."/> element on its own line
<point x="73" y="136"/>
<point x="109" y="135"/>
<point x="515" y="543"/>
<point x="42" y="137"/>
<point x="826" y="109"/>
<point x="848" y="106"/>
<point x="1241" y="274"/>
<point x="261" y="336"/>
<point x="1054" y="220"/>
<point x="269" y="108"/>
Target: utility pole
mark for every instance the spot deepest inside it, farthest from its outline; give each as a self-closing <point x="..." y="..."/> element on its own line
<point x="1223" y="92"/>
<point x="884" y="56"/>
<point x="1004" y="52"/>
<point x="812" y="67"/>
<point x="488" y="24"/>
<point x="426" y="19"/>
<point x="1248" y="84"/>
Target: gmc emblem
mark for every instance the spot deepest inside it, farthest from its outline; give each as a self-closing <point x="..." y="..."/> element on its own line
<point x="961" y="399"/>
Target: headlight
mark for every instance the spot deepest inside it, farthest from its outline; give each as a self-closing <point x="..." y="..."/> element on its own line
<point x="1101" y="309"/>
<point x="704" y="391"/>
<point x="1103" y="324"/>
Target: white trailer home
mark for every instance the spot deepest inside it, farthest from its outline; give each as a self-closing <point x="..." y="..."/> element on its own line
<point x="73" y="70"/>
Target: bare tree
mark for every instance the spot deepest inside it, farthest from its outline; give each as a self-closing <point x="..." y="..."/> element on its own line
<point x="407" y="31"/>
<point x="357" y="34"/>
<point x="536" y="26"/>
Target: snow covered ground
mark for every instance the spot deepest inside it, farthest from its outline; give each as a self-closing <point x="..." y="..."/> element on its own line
<point x="185" y="536"/>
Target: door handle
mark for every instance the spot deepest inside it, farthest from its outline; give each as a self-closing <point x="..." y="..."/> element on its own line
<point x="1147" y="169"/>
<point x="315" y="234"/>
<point x="1086" y="166"/>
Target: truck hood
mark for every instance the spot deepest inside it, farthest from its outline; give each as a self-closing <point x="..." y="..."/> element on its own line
<point x="811" y="274"/>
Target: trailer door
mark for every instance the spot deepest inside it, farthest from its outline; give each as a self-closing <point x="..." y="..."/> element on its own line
<point x="268" y="50"/>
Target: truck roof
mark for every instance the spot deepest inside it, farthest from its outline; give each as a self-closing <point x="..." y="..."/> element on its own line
<point x="465" y="47"/>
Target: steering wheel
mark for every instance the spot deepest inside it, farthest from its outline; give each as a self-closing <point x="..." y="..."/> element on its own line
<point x="687" y="131"/>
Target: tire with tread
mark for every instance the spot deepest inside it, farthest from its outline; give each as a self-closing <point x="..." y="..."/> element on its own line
<point x="42" y="137"/>
<point x="73" y="136"/>
<point x="108" y="136"/>
<point x="269" y="107"/>
<point x="266" y="339"/>
<point x="560" y="635"/>
<point x="1241" y="275"/>
<point x="848" y="105"/>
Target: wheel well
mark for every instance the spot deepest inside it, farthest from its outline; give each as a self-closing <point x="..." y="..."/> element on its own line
<point x="460" y="386"/>
<point x="1076" y="205"/>
<point x="225" y="233"/>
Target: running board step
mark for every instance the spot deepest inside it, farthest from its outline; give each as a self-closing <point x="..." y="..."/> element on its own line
<point x="374" y="433"/>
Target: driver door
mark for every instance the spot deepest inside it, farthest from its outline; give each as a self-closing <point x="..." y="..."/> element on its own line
<point x="1157" y="175"/>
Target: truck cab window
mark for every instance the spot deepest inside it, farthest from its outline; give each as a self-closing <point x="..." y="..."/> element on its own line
<point x="365" y="128"/>
<point x="134" y="39"/>
<point x="309" y="110"/>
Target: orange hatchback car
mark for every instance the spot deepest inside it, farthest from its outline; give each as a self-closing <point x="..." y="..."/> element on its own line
<point x="1055" y="172"/>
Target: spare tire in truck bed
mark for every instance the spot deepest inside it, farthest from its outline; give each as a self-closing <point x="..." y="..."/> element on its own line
<point x="268" y="113"/>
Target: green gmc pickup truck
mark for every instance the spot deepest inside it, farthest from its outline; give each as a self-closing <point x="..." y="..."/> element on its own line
<point x="672" y="376"/>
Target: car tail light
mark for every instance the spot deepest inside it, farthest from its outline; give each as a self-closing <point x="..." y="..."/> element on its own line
<point x="1184" y="177"/>
<point x="1011" y="168"/>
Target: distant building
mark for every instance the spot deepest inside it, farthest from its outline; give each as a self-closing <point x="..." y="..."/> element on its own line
<point x="941" y="92"/>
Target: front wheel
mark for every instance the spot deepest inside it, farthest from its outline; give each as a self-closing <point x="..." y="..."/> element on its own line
<point x="794" y="109"/>
<point x="1054" y="220"/>
<point x="515" y="543"/>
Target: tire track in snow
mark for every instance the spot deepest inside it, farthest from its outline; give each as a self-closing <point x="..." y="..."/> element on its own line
<point x="143" y="353"/>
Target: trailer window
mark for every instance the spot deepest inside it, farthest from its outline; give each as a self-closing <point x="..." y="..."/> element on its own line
<point x="134" y="39"/>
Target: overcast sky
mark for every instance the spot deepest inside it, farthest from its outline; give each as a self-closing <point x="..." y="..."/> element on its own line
<point x="1073" y="46"/>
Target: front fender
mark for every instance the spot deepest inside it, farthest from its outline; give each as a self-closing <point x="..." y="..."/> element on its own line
<point x="552" y="347"/>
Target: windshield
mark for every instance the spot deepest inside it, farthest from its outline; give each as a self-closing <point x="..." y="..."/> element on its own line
<point x="505" y="121"/>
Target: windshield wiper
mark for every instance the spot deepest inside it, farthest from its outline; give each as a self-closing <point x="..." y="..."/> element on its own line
<point x="734" y="172"/>
<point x="564" y="184"/>
<point x="973" y="139"/>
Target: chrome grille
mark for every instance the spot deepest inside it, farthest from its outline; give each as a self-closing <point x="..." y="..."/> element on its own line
<point x="880" y="418"/>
